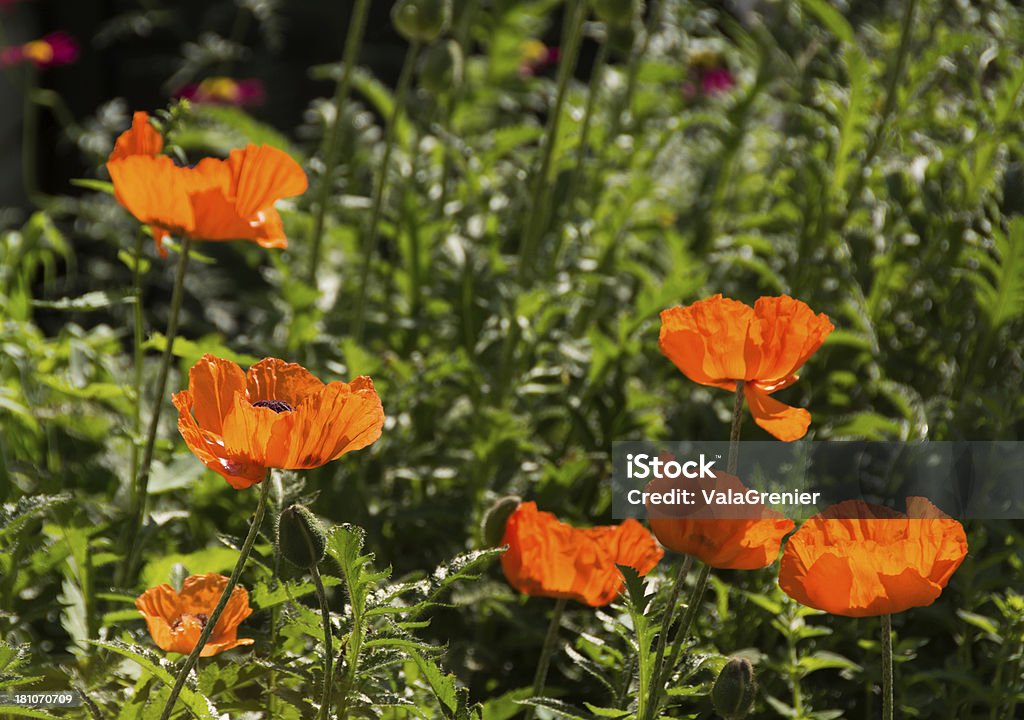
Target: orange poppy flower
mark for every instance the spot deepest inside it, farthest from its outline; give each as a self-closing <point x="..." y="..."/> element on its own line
<point x="176" y="619"/>
<point x="730" y="542"/>
<point x="216" y="199"/>
<point x="719" y="341"/>
<point x="860" y="560"/>
<point x="275" y="416"/>
<point x="549" y="558"/>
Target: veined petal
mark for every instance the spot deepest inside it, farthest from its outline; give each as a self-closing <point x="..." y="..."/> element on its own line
<point x="784" y="422"/>
<point x="214" y="382"/>
<point x="154" y="190"/>
<point x="262" y="175"/>
<point x="141" y="139"/>
<point x="273" y="379"/>
<point x="784" y="334"/>
<point x="210" y="449"/>
<point x="705" y="340"/>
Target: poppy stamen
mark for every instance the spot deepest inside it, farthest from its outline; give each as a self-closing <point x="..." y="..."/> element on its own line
<point x="278" y="406"/>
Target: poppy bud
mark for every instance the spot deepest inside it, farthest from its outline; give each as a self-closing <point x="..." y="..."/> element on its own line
<point x="421" y="20"/>
<point x="441" y="67"/>
<point x="300" y="538"/>
<point x="614" y="12"/>
<point x="493" y="526"/>
<point x="734" y="690"/>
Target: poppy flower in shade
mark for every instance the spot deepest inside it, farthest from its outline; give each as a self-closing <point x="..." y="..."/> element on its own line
<point x="176" y="619"/>
<point x="861" y="560"/>
<point x="746" y="537"/>
<point x="719" y="341"/>
<point x="141" y="139"/>
<point x="216" y="199"/>
<point x="224" y="91"/>
<point x="549" y="558"/>
<point x="57" y="48"/>
<point x="277" y="415"/>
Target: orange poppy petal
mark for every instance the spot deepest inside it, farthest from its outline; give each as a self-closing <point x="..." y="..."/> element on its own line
<point x="257" y="435"/>
<point x="213" y="648"/>
<point x="273" y="379"/>
<point x="785" y="333"/>
<point x="784" y="422"/>
<point x="210" y="449"/>
<point x="141" y="139"/>
<point x="154" y="190"/>
<point x="262" y="175"/>
<point x="337" y="419"/>
<point x="214" y="382"/>
<point x="705" y="340"/>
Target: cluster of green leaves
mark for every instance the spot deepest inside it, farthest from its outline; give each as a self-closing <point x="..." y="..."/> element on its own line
<point x="867" y="162"/>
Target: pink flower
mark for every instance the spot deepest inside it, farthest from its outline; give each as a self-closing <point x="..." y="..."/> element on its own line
<point x="224" y="91"/>
<point x="716" y="80"/>
<point x="57" y="48"/>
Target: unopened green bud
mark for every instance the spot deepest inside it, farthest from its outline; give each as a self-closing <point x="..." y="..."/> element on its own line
<point x="615" y="12"/>
<point x="493" y="526"/>
<point x="421" y="20"/>
<point x="734" y="690"/>
<point x="441" y="67"/>
<point x="300" y="537"/>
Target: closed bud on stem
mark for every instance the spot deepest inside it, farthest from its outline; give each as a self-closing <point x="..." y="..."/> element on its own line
<point x="734" y="690"/>
<point x="493" y="525"/>
<point x="300" y="537"/>
<point x="421" y="20"/>
<point x="441" y="67"/>
<point x="615" y="12"/>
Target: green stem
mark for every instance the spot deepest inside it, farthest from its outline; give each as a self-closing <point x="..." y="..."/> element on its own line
<point x="138" y="328"/>
<point x="353" y="41"/>
<point x="692" y="606"/>
<point x="138" y="508"/>
<point x="243" y="555"/>
<point x="354" y="645"/>
<point x="597" y="73"/>
<point x="321" y="594"/>
<point x="666" y="626"/>
<point x="370" y="238"/>
<point x="544" y="662"/>
<point x="540" y="192"/>
<point x="734" y="430"/>
<point x="887" y="667"/>
<point x="794" y="676"/>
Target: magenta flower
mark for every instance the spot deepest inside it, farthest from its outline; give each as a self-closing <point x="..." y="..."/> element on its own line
<point x="535" y="56"/>
<point x="716" y="80"/>
<point x="224" y="91"/>
<point x="57" y="48"/>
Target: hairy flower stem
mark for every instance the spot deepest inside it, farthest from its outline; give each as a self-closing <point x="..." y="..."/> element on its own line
<point x="540" y="192"/>
<point x="140" y="488"/>
<point x="351" y="647"/>
<point x="137" y="322"/>
<point x="887" y="667"/>
<point x="666" y="625"/>
<point x="243" y="555"/>
<point x="325" y="610"/>
<point x="693" y="603"/>
<point x="377" y="208"/>
<point x="353" y="41"/>
<point x="544" y="662"/>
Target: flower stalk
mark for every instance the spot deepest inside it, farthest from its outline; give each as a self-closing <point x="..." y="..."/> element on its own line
<point x="325" y="611"/>
<point x="544" y="662"/>
<point x="377" y="208"/>
<point x="353" y="41"/>
<point x="140" y="487"/>
<point x="211" y="623"/>
<point x="887" y="705"/>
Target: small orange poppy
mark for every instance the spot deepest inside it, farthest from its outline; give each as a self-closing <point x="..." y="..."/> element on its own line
<point x="277" y="415"/>
<point x="549" y="558"/>
<point x="719" y="341"/>
<point x="861" y="560"/>
<point x="175" y="620"/>
<point x="216" y="199"/>
<point x="731" y="543"/>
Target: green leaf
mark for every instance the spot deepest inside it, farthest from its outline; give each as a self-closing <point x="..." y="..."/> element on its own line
<point x="442" y="685"/>
<point x="831" y="18"/>
<point x="200" y="706"/>
<point x="212" y="559"/>
<point x="91" y="301"/>
<point x="103" y="186"/>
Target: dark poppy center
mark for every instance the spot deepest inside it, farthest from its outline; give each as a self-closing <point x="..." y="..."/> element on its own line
<point x="278" y="406"/>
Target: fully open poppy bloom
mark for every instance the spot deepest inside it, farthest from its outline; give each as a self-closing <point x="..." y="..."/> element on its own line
<point x="549" y="558"/>
<point x="176" y="619"/>
<point x="224" y="91"/>
<point x="746" y="537"/>
<point x="275" y="416"/>
<point x="216" y="199"/>
<point x="860" y="560"/>
<point x="719" y="341"/>
<point x="57" y="48"/>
